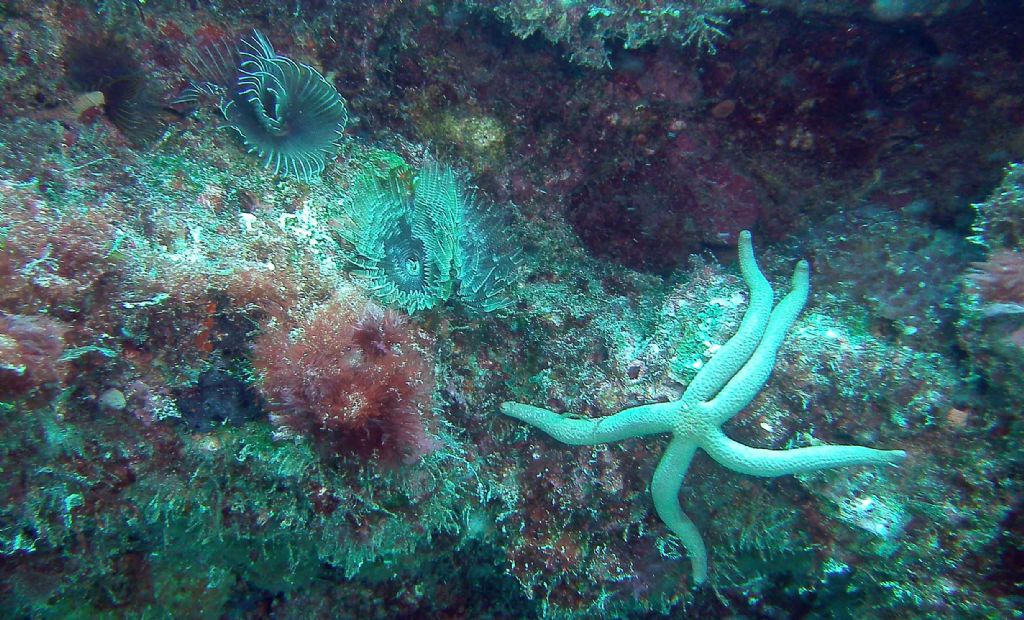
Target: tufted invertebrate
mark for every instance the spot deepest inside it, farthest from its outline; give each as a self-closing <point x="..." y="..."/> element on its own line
<point x="486" y="263"/>
<point x="286" y="113"/>
<point x="214" y="69"/>
<point x="106" y="65"/>
<point x="417" y="245"/>
<point x="354" y="382"/>
<point x="395" y="248"/>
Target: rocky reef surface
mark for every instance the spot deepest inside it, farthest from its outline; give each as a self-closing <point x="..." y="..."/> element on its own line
<point x="268" y="271"/>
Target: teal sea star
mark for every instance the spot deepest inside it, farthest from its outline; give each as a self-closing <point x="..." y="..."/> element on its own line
<point x="722" y="388"/>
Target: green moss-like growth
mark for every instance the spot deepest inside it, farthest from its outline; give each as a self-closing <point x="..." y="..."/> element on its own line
<point x="586" y="31"/>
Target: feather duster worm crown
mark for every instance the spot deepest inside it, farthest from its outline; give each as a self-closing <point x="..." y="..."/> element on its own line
<point x="286" y="113"/>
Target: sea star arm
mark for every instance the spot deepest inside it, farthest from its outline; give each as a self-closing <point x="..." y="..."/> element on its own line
<point x="771" y="463"/>
<point x="668" y="477"/>
<point x="737" y="350"/>
<point x="632" y="422"/>
<point x="748" y="380"/>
